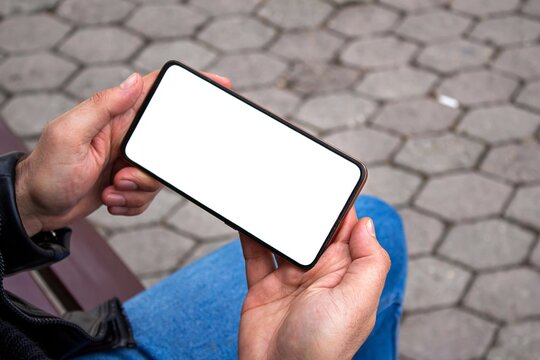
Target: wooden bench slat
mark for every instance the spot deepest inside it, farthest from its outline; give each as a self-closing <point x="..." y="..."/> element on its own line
<point x="24" y="286"/>
<point x="93" y="272"/>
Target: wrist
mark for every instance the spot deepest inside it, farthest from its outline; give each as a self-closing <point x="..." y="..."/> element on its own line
<point x="30" y="220"/>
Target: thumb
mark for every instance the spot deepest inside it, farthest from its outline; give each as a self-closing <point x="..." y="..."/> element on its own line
<point x="96" y="112"/>
<point x="363" y="242"/>
<point x="366" y="274"/>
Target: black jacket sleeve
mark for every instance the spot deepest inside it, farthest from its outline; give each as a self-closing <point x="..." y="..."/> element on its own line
<point x="19" y="251"/>
<point x="105" y="327"/>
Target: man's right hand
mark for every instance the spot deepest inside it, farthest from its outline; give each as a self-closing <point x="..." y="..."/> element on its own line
<point x="325" y="313"/>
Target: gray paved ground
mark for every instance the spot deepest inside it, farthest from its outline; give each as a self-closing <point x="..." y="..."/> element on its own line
<point x="368" y="76"/>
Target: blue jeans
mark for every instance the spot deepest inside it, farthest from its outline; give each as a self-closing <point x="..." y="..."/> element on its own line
<point x="195" y="313"/>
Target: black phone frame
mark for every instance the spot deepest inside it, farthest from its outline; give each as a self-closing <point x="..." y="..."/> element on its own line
<point x="347" y="206"/>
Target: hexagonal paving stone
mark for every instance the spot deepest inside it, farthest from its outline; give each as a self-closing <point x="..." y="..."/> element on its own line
<point x="439" y="153"/>
<point x="295" y="14"/>
<point x="499" y="123"/>
<point x="160" y="207"/>
<point x="204" y="249"/>
<point x="517" y="341"/>
<point x="535" y="256"/>
<point x="204" y="226"/>
<point x="187" y="51"/>
<point x="154" y="2"/>
<point x="396" y="84"/>
<point x="279" y="101"/>
<point x="393" y="185"/>
<point x="366" y="144"/>
<point x="422" y="231"/>
<point x="166" y="21"/>
<point x="94" y="11"/>
<point x="518" y="300"/>
<point x="463" y="196"/>
<point x="413" y="117"/>
<point x="532" y="7"/>
<point x="249" y="69"/>
<point x="517" y="163"/>
<point x="237" y="33"/>
<point x="149" y="281"/>
<point x="487" y="244"/>
<point x="415" y="4"/>
<point x="485" y="7"/>
<point x="34" y="32"/>
<point x="334" y="110"/>
<point x="455" y="55"/>
<point x="453" y="335"/>
<point x="524" y="207"/>
<point x="220" y="7"/>
<point x="151" y="250"/>
<point x="28" y="114"/>
<point x="362" y="20"/>
<point x="316" y="78"/>
<point x="433" y="26"/>
<point x="34" y="72"/>
<point x="476" y="87"/>
<point x="23" y="6"/>
<point x="432" y="282"/>
<point x="507" y="30"/>
<point x="522" y="61"/>
<point x="103" y="44"/>
<point x="309" y="45"/>
<point x="530" y="94"/>
<point x="93" y="79"/>
<point x="378" y="52"/>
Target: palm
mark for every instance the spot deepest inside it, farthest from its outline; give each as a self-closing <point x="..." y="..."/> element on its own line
<point x="288" y="299"/>
<point x="289" y="313"/>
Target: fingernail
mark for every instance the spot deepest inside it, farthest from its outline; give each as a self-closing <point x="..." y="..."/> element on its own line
<point x="370" y="228"/>
<point x="130" y="81"/>
<point x="126" y="185"/>
<point x="115" y="200"/>
<point x="118" y="210"/>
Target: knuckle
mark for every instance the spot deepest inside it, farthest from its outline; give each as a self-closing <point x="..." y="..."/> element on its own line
<point x="52" y="131"/>
<point x="386" y="262"/>
<point x="97" y="98"/>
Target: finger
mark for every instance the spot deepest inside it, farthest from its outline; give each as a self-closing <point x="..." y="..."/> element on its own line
<point x="120" y="210"/>
<point x="370" y="262"/>
<point x="363" y="242"/>
<point x="259" y="260"/>
<point x="219" y="79"/>
<point x="129" y="199"/>
<point x="130" y="178"/>
<point x="94" y="113"/>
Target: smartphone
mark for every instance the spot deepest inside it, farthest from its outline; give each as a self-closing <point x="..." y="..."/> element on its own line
<point x="258" y="173"/>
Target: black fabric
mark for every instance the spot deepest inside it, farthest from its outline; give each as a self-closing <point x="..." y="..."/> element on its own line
<point x="20" y="254"/>
<point x="15" y="345"/>
<point x="103" y="328"/>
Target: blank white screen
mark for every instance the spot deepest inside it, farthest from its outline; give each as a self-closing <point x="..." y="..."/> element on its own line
<point x="273" y="182"/>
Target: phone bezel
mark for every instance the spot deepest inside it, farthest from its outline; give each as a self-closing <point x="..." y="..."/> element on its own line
<point x="347" y="206"/>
